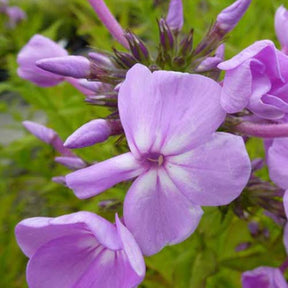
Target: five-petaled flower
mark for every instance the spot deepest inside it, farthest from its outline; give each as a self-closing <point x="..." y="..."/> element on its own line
<point x="169" y="119"/>
<point x="80" y="250"/>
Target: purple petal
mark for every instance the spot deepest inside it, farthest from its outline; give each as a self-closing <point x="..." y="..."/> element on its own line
<point x="71" y="162"/>
<point x="97" y="178"/>
<point x="61" y="262"/>
<point x="277" y="162"/>
<point x="178" y="111"/>
<point x="32" y="233"/>
<point x="263" y="277"/>
<point x="230" y="16"/>
<point x="175" y="17"/>
<point x="90" y="133"/>
<point x="131" y="249"/>
<point x="68" y="66"/>
<point x="285" y="234"/>
<point x="37" y="48"/>
<point x="157" y="214"/>
<point x="246" y="54"/>
<point x="214" y="173"/>
<point x="281" y="26"/>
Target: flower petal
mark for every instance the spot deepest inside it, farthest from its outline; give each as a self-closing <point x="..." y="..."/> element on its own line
<point x="277" y="162"/>
<point x="214" y="173"/>
<point x="157" y="214"/>
<point x="97" y="178"/>
<point x="62" y="261"/>
<point x="37" y="48"/>
<point x="131" y="249"/>
<point x="32" y="233"/>
<point x="168" y="111"/>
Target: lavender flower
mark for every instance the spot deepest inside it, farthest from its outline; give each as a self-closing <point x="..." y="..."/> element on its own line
<point x="263" y="277"/>
<point x="281" y="27"/>
<point x="263" y="70"/>
<point x="79" y="250"/>
<point x="37" y="48"/>
<point x="169" y="119"/>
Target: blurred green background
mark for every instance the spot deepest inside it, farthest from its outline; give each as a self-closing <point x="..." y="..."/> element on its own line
<point x="208" y="258"/>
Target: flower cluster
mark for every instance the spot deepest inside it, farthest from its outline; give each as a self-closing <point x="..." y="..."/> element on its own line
<point x="185" y="132"/>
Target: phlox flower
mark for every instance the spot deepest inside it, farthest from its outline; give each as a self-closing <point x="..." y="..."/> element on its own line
<point x="169" y="119"/>
<point x="257" y="79"/>
<point x="79" y="250"/>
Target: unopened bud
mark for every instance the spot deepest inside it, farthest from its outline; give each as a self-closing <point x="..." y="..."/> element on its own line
<point x="174" y="17"/>
<point x="228" y="18"/>
<point x="69" y="66"/>
<point x="138" y="48"/>
<point x="89" y="134"/>
<point x="72" y="163"/>
<point x="166" y="36"/>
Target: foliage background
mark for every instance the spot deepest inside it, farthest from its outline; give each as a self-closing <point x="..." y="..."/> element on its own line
<point x="208" y="258"/>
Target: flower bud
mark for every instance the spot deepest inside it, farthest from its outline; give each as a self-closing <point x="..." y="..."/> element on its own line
<point x="137" y="48"/>
<point x="174" y="17"/>
<point x="281" y="27"/>
<point x="69" y="66"/>
<point x="166" y="36"/>
<point x="228" y="18"/>
<point x="89" y="134"/>
<point x="72" y="163"/>
<point x="48" y="136"/>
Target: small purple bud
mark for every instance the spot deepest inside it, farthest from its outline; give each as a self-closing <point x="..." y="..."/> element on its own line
<point x="228" y="18"/>
<point x="186" y="46"/>
<point x="100" y="59"/>
<point x="43" y="133"/>
<point x="37" y="48"/>
<point x="211" y="63"/>
<point x="48" y="136"/>
<point x="59" y="180"/>
<point x="242" y="246"/>
<point x="94" y="86"/>
<point x="174" y="17"/>
<point x="281" y="27"/>
<point x="15" y="15"/>
<point x="89" y="134"/>
<point x="69" y="66"/>
<point x="124" y="59"/>
<point x="166" y="35"/>
<point x="72" y="163"/>
<point x="254" y="228"/>
<point x="257" y="164"/>
<point x="137" y="48"/>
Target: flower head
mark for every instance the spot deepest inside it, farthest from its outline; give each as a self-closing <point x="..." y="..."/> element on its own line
<point x="79" y="250"/>
<point x="169" y="119"/>
<point x="263" y="69"/>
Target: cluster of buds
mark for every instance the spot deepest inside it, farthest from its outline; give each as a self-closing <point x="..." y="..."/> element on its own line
<point x="176" y="154"/>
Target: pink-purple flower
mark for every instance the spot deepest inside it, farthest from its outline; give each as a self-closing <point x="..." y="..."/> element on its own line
<point x="169" y="119"/>
<point x="79" y="250"/>
<point x="257" y="79"/>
